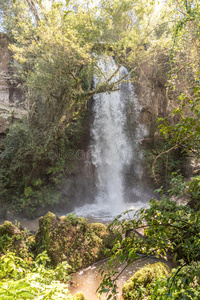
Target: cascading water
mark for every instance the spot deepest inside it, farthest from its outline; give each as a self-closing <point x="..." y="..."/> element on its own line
<point x="111" y="149"/>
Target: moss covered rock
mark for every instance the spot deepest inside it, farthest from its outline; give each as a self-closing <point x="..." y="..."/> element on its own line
<point x="140" y="285"/>
<point x="79" y="296"/>
<point x="71" y="239"/>
<point x="12" y="239"/>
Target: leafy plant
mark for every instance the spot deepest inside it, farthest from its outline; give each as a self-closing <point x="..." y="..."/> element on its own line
<point x="12" y="290"/>
<point x="182" y="284"/>
<point x="31" y="279"/>
<point x="169" y="230"/>
<point x="12" y="266"/>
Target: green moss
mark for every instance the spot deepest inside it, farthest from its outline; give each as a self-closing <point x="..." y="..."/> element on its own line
<point x="31" y="243"/>
<point x="71" y="238"/>
<point x="5" y="242"/>
<point x="139" y="286"/>
<point x="79" y="296"/>
<point x="12" y="240"/>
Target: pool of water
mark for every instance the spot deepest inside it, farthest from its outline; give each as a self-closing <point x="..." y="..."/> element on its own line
<point x="88" y="280"/>
<point x="105" y="213"/>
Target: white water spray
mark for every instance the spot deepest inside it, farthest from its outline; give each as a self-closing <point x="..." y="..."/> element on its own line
<point x="111" y="148"/>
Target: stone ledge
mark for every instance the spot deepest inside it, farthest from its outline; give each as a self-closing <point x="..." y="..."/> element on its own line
<point x="8" y="114"/>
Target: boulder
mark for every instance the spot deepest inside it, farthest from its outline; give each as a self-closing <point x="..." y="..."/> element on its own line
<point x="79" y="296"/>
<point x="72" y="239"/>
<point x="139" y="286"/>
<point x="12" y="239"/>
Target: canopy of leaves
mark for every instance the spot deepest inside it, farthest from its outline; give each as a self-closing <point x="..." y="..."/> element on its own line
<point x="32" y="279"/>
<point x="56" y="46"/>
<point x="168" y="228"/>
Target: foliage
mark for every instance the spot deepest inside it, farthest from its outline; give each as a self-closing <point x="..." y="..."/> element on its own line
<point x="186" y="132"/>
<point x="56" y="47"/>
<point x="169" y="228"/>
<point x="13" y="239"/>
<point x="29" y="173"/>
<point x="12" y="266"/>
<point x="184" y="60"/>
<point x="164" y="162"/>
<point x="24" y="280"/>
<point x="141" y="284"/>
<point x="180" y="128"/>
<point x="187" y="189"/>
<point x="184" y="135"/>
<point x="79" y="296"/>
<point x="182" y="284"/>
<point x="71" y="238"/>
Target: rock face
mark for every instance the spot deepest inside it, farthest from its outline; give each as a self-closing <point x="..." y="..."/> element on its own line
<point x="12" y="239"/>
<point x="71" y="239"/>
<point x="151" y="93"/>
<point x="139" y="286"/>
<point x="11" y="97"/>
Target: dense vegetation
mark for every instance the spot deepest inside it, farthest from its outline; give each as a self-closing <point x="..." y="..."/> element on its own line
<point x="56" y="47"/>
<point x="31" y="280"/>
<point x="39" y="266"/>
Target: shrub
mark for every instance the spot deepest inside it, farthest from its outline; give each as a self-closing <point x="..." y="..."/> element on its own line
<point x="140" y="285"/>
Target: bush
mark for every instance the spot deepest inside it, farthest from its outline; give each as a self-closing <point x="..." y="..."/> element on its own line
<point x="141" y="284"/>
<point x="24" y="280"/>
<point x="72" y="239"/>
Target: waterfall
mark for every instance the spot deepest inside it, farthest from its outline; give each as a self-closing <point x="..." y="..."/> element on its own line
<point x="112" y="150"/>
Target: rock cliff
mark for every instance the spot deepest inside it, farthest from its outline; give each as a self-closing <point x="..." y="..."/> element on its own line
<point x="12" y="99"/>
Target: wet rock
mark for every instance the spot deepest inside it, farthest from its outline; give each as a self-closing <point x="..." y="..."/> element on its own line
<point x="71" y="239"/>
<point x="12" y="239"/>
<point x="12" y="98"/>
<point x="10" y="215"/>
<point x="101" y="231"/>
<point x="139" y="286"/>
<point x="2" y="210"/>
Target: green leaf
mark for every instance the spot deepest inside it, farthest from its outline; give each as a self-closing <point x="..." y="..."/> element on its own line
<point x="192" y="217"/>
<point x="26" y="294"/>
